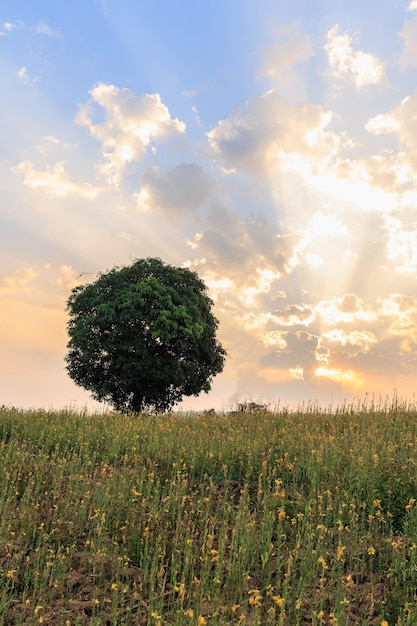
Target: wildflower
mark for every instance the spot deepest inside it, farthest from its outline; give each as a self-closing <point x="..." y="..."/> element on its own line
<point x="189" y="613"/>
<point x="384" y="623"/>
<point x="214" y="555"/>
<point x="38" y="609"/>
<point x="282" y="514"/>
<point x="371" y="551"/>
<point x="255" y="597"/>
<point x="11" y="573"/>
<point x="201" y="621"/>
<point x="410" y="504"/>
<point x="235" y="608"/>
<point x="180" y="589"/>
<point x="349" y="582"/>
<point x="322" y="562"/>
<point x="340" y="552"/>
<point x="279" y="600"/>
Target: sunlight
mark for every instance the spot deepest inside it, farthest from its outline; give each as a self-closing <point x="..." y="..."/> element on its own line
<point x="345" y="377"/>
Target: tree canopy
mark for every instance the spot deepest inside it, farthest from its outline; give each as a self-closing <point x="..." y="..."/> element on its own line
<point x="143" y="336"/>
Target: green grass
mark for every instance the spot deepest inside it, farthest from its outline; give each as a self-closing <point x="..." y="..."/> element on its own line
<point x="302" y="517"/>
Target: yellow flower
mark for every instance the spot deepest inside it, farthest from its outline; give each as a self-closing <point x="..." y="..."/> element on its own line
<point x="340" y="552"/>
<point x="279" y="600"/>
<point x="322" y="562"/>
<point x="371" y="551"/>
<point x="11" y="573"/>
<point x="384" y="623"/>
<point x="410" y="504"/>
<point x="201" y="621"/>
<point x="38" y="609"/>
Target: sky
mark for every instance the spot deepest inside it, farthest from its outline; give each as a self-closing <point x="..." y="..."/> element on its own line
<point x="269" y="145"/>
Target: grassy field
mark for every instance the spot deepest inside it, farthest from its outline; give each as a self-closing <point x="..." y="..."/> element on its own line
<point x="303" y="517"/>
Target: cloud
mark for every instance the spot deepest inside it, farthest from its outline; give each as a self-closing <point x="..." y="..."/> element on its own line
<point x="409" y="34"/>
<point x="43" y="28"/>
<point x="344" y="310"/>
<point x="361" y="68"/>
<point x="9" y="26"/>
<point x="182" y="188"/>
<point x="362" y="339"/>
<point x="25" y="78"/>
<point x="54" y="180"/>
<point x="401" y="245"/>
<point x="290" y="47"/>
<point x="267" y="131"/>
<point x="130" y="125"/>
<point x="17" y="281"/>
<point x="402" y="120"/>
<point x="402" y="310"/>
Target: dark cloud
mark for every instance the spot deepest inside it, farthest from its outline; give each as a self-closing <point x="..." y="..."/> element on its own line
<point x="179" y="189"/>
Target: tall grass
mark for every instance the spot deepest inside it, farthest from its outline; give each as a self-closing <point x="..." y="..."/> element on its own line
<point x="286" y="517"/>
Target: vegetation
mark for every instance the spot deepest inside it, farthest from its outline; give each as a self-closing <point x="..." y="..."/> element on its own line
<point x="253" y="517"/>
<point x="143" y="336"/>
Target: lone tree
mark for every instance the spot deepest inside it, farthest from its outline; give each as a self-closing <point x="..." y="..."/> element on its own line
<point x="143" y="336"/>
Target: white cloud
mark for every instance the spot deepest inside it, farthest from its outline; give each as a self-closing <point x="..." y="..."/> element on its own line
<point x="131" y="123"/>
<point x="401" y="120"/>
<point x="25" y="78"/>
<point x="363" y="339"/>
<point x="290" y="47"/>
<point x="412" y="6"/>
<point x="43" y="28"/>
<point x="54" y="180"/>
<point x="346" y="309"/>
<point x="409" y="34"/>
<point x="17" y="281"/>
<point x="8" y="26"/>
<point x="362" y="68"/>
<point x="401" y="245"/>
<point x="257" y="139"/>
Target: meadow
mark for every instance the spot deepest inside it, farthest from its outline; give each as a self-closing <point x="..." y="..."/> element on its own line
<point x="252" y="517"/>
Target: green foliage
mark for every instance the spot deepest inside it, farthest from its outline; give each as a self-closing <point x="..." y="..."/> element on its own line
<point x="143" y="336"/>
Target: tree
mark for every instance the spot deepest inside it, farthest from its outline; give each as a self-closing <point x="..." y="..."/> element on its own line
<point x="143" y="336"/>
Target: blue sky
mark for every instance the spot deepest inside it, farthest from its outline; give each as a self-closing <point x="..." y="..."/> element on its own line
<point x="270" y="145"/>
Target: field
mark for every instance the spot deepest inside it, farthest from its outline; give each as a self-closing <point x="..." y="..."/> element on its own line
<point x="301" y="517"/>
